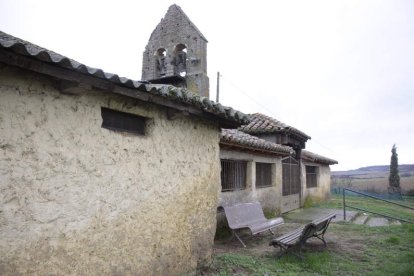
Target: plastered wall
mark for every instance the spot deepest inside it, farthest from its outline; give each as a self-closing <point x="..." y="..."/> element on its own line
<point x="79" y="199"/>
<point x="269" y="197"/>
<point x="322" y="191"/>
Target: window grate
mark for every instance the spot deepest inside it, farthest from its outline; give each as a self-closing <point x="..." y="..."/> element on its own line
<point x="263" y="175"/>
<point x="233" y="175"/>
<point x="311" y="177"/>
<point x="290" y="178"/>
<point x="123" y="122"/>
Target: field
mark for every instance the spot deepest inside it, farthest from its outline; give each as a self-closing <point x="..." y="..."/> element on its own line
<point x="351" y="250"/>
<point x="374" y="179"/>
<point x="378" y="185"/>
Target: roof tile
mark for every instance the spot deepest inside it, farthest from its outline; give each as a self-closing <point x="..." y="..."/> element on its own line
<point x="313" y="157"/>
<point x="181" y="95"/>
<point x="239" y="138"/>
<point x="261" y="123"/>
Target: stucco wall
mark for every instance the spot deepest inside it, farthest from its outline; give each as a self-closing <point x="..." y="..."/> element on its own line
<point x="79" y="199"/>
<point x="322" y="191"/>
<point x="269" y="197"/>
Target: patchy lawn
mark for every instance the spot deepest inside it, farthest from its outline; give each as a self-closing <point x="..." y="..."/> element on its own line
<point x="373" y="205"/>
<point x="351" y="250"/>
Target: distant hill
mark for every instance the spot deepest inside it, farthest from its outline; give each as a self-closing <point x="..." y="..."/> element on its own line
<point x="406" y="170"/>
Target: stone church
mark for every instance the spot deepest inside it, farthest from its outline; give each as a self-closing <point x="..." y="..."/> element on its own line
<point x="264" y="160"/>
<point x="177" y="54"/>
<point x="103" y="175"/>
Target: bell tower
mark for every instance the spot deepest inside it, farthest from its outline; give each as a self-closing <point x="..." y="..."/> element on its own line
<point x="176" y="54"/>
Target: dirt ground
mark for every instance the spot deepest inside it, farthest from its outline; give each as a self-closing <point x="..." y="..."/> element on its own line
<point x="258" y="245"/>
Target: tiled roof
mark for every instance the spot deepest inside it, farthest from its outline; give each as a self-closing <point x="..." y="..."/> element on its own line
<point x="261" y="123"/>
<point x="235" y="137"/>
<point x="179" y="95"/>
<point x="313" y="157"/>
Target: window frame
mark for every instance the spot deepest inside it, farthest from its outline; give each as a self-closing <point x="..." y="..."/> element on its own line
<point x="291" y="183"/>
<point x="233" y="175"/>
<point x="264" y="175"/>
<point x="311" y="176"/>
<point x="123" y="122"/>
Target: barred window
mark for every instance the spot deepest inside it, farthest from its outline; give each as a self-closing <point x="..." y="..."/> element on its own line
<point x="311" y="177"/>
<point x="263" y="175"/>
<point x="233" y="175"/>
<point x="123" y="122"/>
<point x="290" y="176"/>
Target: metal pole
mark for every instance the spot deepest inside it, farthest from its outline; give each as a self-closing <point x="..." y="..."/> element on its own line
<point x="390" y="217"/>
<point x="343" y="202"/>
<point x="374" y="197"/>
<point x="218" y="87"/>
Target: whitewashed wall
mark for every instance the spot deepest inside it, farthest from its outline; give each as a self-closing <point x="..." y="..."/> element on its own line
<point x="323" y="179"/>
<point x="269" y="197"/>
<point x="79" y="199"/>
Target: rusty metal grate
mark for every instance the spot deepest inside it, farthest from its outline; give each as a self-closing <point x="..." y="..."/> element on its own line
<point x="311" y="174"/>
<point x="290" y="177"/>
<point x="233" y="175"/>
<point x="263" y="175"/>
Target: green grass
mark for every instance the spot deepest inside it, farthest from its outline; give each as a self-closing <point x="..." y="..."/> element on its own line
<point x="238" y="264"/>
<point x="373" y="205"/>
<point x="352" y="250"/>
<point x="382" y="251"/>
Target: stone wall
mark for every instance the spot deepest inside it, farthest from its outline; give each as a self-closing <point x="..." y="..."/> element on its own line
<point x="80" y="199"/>
<point x="176" y="31"/>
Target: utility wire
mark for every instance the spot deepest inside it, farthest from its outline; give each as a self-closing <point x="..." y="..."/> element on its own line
<point x="267" y="109"/>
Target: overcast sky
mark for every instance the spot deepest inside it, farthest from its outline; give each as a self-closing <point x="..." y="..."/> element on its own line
<point x="341" y="71"/>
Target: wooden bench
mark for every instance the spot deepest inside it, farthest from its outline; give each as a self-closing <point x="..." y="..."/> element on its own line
<point x="298" y="237"/>
<point x="250" y="216"/>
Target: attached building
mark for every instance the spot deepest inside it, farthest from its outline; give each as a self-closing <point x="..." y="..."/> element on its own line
<point x="251" y="169"/>
<point x="265" y="161"/>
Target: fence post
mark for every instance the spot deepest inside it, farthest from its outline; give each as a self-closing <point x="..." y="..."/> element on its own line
<point x="343" y="202"/>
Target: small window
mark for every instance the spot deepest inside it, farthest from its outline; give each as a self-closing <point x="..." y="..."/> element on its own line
<point x="263" y="175"/>
<point x="233" y="175"/>
<point x="121" y="121"/>
<point x="311" y="177"/>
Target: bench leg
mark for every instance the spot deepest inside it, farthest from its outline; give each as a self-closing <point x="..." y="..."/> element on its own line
<point x="322" y="238"/>
<point x="299" y="255"/>
<point x="284" y="250"/>
<point x="300" y="251"/>
<point x="237" y="236"/>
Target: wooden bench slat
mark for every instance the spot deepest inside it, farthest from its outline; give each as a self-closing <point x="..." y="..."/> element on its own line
<point x="299" y="236"/>
<point x="290" y="234"/>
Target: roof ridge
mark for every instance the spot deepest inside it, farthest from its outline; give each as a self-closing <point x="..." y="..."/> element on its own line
<point x="179" y="9"/>
<point x="237" y="137"/>
<point x="175" y="94"/>
<point x="262" y="123"/>
<point x="314" y="157"/>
